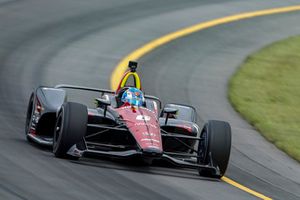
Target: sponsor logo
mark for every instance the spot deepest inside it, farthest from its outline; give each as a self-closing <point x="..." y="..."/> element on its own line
<point x="124" y="108"/>
<point x="145" y="124"/>
<point x="143" y="118"/>
<point x="151" y="140"/>
<point x="149" y="134"/>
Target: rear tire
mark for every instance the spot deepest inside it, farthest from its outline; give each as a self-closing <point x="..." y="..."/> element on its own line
<point x="70" y="128"/>
<point x="29" y="115"/>
<point x="215" y="147"/>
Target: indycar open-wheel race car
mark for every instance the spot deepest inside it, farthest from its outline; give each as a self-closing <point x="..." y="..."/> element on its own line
<point x="117" y="128"/>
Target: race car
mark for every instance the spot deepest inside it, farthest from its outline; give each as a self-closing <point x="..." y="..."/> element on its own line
<point x="127" y="124"/>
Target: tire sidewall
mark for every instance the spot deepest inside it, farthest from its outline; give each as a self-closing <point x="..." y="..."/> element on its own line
<point x="219" y="144"/>
<point x="57" y="137"/>
<point x="72" y="127"/>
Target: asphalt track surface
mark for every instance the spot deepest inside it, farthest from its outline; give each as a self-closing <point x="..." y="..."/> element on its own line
<point x="80" y="42"/>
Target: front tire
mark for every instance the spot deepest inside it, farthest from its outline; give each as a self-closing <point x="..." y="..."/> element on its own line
<point x="70" y="128"/>
<point x="215" y="147"/>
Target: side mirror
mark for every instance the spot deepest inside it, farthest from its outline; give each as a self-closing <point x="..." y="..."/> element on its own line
<point x="103" y="103"/>
<point x="169" y="111"/>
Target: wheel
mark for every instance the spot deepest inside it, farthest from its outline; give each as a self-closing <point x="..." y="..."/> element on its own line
<point x="70" y="128"/>
<point x="215" y="147"/>
<point x="29" y="115"/>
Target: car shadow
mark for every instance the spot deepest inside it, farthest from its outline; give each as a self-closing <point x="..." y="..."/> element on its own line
<point x="161" y="168"/>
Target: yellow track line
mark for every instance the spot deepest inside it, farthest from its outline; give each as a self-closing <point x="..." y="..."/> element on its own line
<point x="136" y="54"/>
<point x="245" y="189"/>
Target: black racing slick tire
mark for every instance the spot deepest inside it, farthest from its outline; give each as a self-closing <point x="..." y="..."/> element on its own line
<point x="70" y="128"/>
<point x="215" y="147"/>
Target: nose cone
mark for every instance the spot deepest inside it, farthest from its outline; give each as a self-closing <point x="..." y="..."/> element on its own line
<point x="144" y="126"/>
<point x="152" y="152"/>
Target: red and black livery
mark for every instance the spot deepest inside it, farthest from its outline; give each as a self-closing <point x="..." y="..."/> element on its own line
<point x="148" y="132"/>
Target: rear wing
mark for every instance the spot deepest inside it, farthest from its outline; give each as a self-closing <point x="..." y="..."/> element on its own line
<point x="102" y="91"/>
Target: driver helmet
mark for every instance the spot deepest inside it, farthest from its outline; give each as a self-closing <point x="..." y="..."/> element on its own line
<point x="133" y="96"/>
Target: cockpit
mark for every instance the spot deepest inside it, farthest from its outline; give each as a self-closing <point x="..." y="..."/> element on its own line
<point x="129" y="90"/>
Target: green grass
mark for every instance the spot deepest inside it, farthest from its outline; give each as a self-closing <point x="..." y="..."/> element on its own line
<point x="266" y="91"/>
